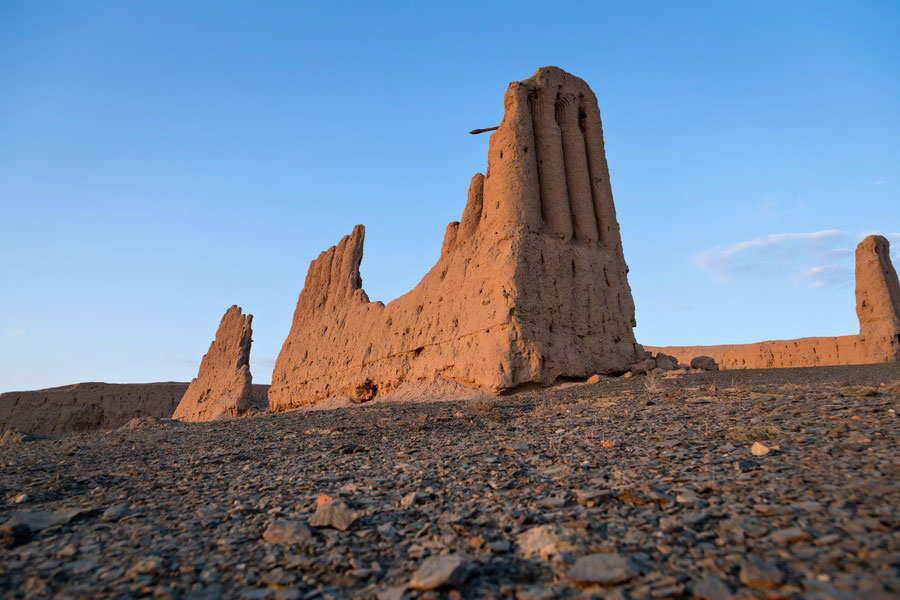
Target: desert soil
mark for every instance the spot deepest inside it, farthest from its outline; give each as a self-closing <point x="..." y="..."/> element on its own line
<point x="605" y="490"/>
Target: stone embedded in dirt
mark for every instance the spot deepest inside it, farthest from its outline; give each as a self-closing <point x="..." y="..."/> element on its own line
<point x="552" y="501"/>
<point x="758" y="449"/>
<point x="549" y="542"/>
<point x="603" y="569"/>
<point x="281" y="531"/>
<point x="333" y="514"/>
<point x="704" y="363"/>
<point x="596" y="378"/>
<point x="760" y="574"/>
<point x="14" y="535"/>
<point x="790" y="535"/>
<point x="531" y="284"/>
<point x="410" y="499"/>
<point x="223" y="385"/>
<point x="666" y="362"/>
<point x="115" y="513"/>
<point x="645" y="366"/>
<point x="440" y="571"/>
<point x="711" y="587"/>
<point x="40" y="520"/>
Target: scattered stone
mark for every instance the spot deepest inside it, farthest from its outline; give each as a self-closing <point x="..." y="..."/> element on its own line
<point x="282" y="531"/>
<point x="760" y="574"/>
<point x="14" y="535"/>
<point x="552" y="501"/>
<point x="40" y="520"/>
<point x="410" y="499"/>
<point x="790" y="535"/>
<point x="596" y="379"/>
<point x="333" y="514"/>
<point x="440" y="571"/>
<point x="666" y="362"/>
<point x="711" y="587"/>
<point x="603" y="569"/>
<point x="115" y="513"/>
<point x="758" y="449"/>
<point x="546" y="541"/>
<point x="704" y="363"/>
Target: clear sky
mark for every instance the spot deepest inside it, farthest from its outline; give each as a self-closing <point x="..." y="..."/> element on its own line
<point x="162" y="160"/>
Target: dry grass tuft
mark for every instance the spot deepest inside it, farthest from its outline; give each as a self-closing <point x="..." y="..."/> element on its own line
<point x="652" y="385"/>
<point x="752" y="433"/>
<point x="481" y="404"/>
<point x="549" y="407"/>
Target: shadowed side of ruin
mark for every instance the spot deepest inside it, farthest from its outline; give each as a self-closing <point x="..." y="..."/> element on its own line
<point x="530" y="285"/>
<point x="878" y="310"/>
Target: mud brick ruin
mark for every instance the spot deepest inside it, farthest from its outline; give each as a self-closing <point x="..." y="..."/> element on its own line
<point x="878" y="310"/>
<point x="223" y="386"/>
<point x="530" y="285"/>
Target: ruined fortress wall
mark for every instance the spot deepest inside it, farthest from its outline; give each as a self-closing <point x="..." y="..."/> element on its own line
<point x="92" y="406"/>
<point x="802" y="352"/>
<point x="87" y="406"/>
<point x="530" y="284"/>
<point x="878" y="310"/>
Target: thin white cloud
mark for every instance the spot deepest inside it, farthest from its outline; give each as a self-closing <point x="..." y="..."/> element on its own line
<point x="17" y="332"/>
<point x="185" y="362"/>
<point x="817" y="259"/>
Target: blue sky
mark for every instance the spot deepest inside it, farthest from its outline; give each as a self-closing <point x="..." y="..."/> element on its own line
<point x="160" y="161"/>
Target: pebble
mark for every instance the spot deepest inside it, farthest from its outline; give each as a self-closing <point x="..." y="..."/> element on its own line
<point x="603" y="569"/>
<point x="711" y="587"/>
<point x="115" y="513"/>
<point x="758" y="449"/>
<point x="439" y="571"/>
<point x="760" y="574"/>
<point x="282" y="531"/>
<point x="333" y="514"/>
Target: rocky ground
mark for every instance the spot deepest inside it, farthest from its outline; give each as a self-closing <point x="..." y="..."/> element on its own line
<point x="763" y="484"/>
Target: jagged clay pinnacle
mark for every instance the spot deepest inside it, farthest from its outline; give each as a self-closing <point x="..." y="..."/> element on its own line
<point x="877" y="300"/>
<point x="222" y="387"/>
<point x="530" y="285"/>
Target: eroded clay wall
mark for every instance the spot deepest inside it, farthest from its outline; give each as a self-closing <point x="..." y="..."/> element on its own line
<point x="878" y="310"/>
<point x="530" y="284"/>
<point x="87" y="406"/>
<point x="802" y="352"/>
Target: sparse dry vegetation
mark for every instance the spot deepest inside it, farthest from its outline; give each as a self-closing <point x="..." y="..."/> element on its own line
<point x="652" y="384"/>
<point x="481" y="404"/>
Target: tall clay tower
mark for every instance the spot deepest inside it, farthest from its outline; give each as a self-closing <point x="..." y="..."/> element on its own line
<point x="530" y="286"/>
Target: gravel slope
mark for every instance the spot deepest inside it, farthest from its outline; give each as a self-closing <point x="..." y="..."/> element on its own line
<point x="504" y="498"/>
